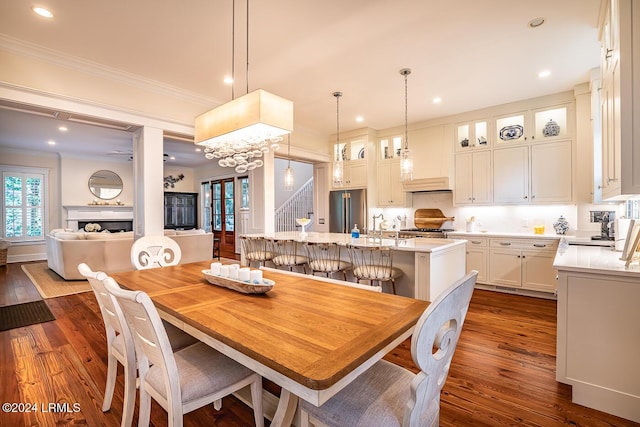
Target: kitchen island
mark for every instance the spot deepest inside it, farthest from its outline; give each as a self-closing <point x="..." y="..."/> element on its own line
<point x="598" y="339"/>
<point x="429" y="265"/>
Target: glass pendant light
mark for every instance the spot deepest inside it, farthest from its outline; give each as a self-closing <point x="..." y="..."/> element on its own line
<point x="338" y="169"/>
<point x="288" y="172"/>
<point x="406" y="159"/>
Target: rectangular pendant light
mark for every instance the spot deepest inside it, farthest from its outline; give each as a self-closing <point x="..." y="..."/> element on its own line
<point x="258" y="115"/>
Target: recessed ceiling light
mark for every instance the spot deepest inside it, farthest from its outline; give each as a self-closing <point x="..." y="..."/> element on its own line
<point x="42" y="12"/>
<point x="228" y="80"/>
<point x="198" y="150"/>
<point x="536" y="22"/>
<point x="544" y="74"/>
<point x="51" y="142"/>
<point x="172" y="157"/>
<point x="359" y="119"/>
<point x="63" y="129"/>
<point x="437" y="100"/>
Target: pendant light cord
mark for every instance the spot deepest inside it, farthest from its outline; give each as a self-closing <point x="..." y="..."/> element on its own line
<point x="233" y="49"/>
<point x="247" y="46"/>
<point x="405" y="72"/>
<point x="289" y="150"/>
<point x="338" y="95"/>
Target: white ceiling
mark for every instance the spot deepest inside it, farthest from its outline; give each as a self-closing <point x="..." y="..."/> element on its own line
<point x="471" y="53"/>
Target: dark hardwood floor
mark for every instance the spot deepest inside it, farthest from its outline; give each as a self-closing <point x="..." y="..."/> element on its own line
<point x="503" y="372"/>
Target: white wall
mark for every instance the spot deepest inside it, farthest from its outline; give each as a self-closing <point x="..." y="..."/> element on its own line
<point x="302" y="172"/>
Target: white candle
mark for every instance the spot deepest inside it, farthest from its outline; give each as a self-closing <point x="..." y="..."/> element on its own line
<point x="233" y="271"/>
<point x="215" y="268"/>
<point x="244" y="274"/>
<point x="224" y="271"/>
<point x="256" y="276"/>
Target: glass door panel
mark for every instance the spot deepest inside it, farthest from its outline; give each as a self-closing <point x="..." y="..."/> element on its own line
<point x="510" y="129"/>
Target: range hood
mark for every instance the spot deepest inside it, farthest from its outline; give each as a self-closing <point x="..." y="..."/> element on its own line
<point x="427" y="184"/>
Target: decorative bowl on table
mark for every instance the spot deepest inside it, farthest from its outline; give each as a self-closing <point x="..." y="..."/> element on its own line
<point x="303" y="222"/>
<point x="246" y="287"/>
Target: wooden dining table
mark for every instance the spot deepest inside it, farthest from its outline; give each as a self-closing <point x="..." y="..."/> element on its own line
<point x="310" y="337"/>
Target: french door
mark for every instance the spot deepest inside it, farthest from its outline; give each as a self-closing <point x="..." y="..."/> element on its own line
<point x="219" y="213"/>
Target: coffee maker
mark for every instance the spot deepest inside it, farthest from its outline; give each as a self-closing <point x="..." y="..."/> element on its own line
<point x="607" y="224"/>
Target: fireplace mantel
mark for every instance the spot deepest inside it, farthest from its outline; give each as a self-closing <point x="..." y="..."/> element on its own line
<point x="97" y="213"/>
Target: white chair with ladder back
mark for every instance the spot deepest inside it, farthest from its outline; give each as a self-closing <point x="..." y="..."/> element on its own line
<point x="120" y="347"/>
<point x="389" y="395"/>
<point x="183" y="381"/>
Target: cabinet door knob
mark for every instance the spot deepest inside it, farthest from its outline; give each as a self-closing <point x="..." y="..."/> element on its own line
<point x="538" y="245"/>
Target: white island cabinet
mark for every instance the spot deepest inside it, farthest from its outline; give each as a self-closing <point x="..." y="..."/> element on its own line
<point x="429" y="266"/>
<point x="598" y="341"/>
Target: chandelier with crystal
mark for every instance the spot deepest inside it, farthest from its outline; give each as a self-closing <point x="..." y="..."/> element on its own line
<point x="241" y="131"/>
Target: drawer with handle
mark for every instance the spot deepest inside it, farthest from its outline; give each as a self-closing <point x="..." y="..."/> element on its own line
<point x="531" y="244"/>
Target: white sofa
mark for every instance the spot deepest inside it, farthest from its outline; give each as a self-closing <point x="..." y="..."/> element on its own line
<point x="110" y="252"/>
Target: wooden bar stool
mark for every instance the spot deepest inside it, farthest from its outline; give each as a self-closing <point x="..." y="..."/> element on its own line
<point x="216" y="248"/>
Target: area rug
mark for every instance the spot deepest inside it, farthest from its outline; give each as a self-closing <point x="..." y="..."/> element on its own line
<point x="19" y="315"/>
<point x="49" y="284"/>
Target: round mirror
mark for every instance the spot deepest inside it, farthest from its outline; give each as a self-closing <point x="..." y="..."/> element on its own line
<point x="105" y="184"/>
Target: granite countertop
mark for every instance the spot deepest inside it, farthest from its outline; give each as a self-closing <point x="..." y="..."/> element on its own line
<point x="593" y="259"/>
<point x="408" y="245"/>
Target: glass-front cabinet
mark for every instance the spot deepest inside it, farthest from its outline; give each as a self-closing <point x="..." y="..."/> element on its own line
<point x="472" y="135"/>
<point x="353" y="155"/>
<point x="550" y="124"/>
<point x="390" y="148"/>
<point x="540" y="125"/>
<point x="511" y="128"/>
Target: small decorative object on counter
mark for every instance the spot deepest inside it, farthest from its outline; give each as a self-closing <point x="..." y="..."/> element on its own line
<point x="355" y="233"/>
<point x="471" y="223"/>
<point x="561" y="225"/>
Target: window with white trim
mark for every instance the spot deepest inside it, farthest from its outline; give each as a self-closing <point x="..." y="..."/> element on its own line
<point x="24" y="212"/>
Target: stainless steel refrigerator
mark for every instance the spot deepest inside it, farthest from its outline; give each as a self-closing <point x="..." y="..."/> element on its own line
<point x="346" y="209"/>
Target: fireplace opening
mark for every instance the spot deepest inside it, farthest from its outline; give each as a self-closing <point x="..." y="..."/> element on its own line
<point x="111" y="226"/>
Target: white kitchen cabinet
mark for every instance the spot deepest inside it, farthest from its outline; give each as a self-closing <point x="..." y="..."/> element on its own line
<point x="620" y="100"/>
<point x="523" y="263"/>
<point x="354" y="158"/>
<point x="390" y="191"/>
<point x="472" y="178"/>
<point x="476" y="254"/>
<point x="535" y="173"/>
<point x="473" y="135"/>
<point x="546" y="124"/>
<point x="511" y="175"/>
<point x="551" y="172"/>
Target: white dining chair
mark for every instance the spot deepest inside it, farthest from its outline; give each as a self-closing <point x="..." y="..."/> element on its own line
<point x="389" y="395"/>
<point x="183" y="381"/>
<point x="120" y="347"/>
<point x="155" y="251"/>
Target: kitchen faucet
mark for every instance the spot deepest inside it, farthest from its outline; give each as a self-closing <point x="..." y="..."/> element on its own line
<point x="381" y="216"/>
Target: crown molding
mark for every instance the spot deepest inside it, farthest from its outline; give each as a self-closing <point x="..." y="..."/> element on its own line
<point x="52" y="56"/>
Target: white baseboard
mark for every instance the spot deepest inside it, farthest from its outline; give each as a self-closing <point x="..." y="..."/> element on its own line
<point x="27" y="257"/>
